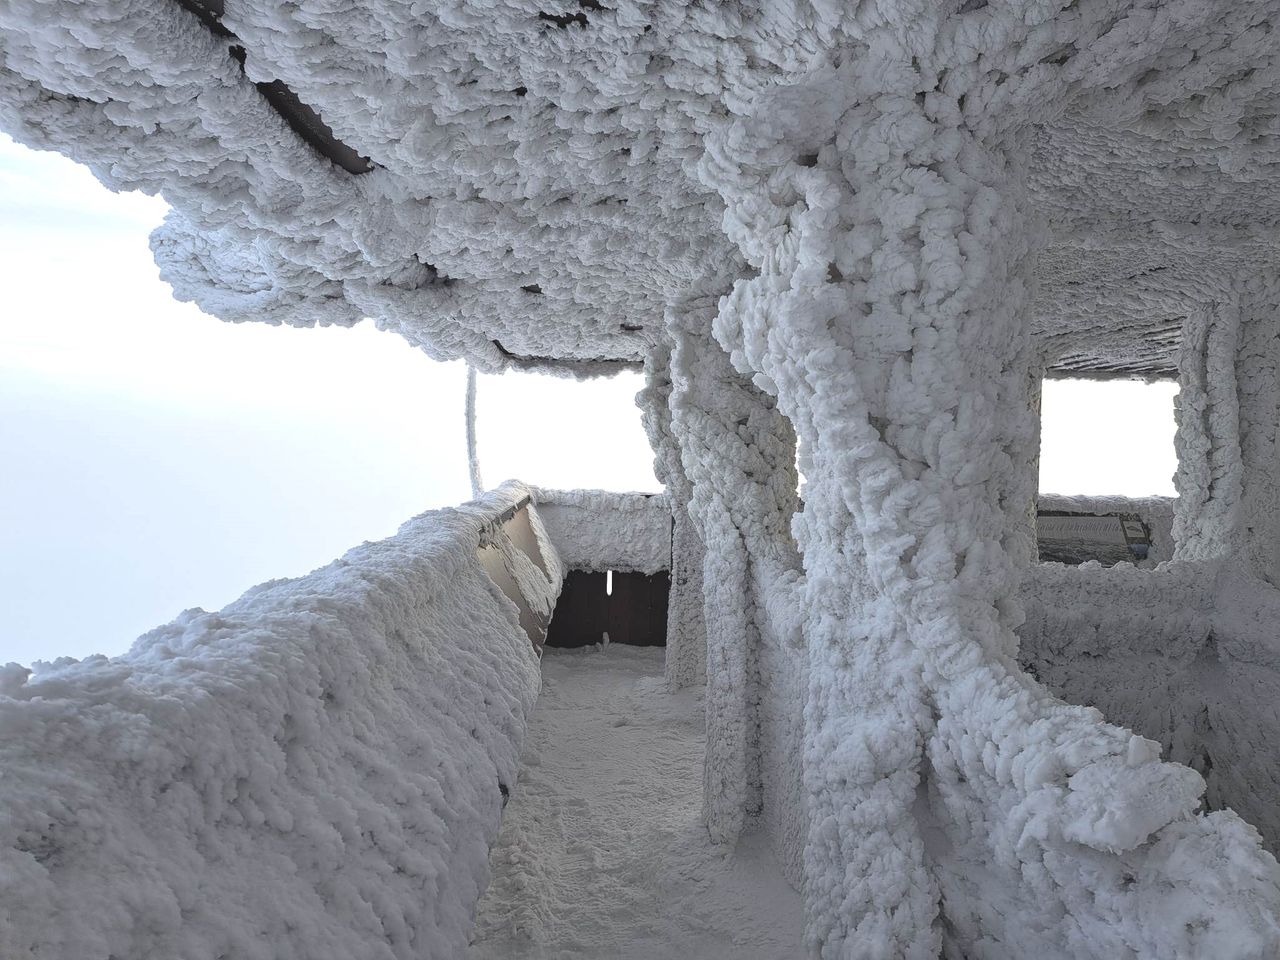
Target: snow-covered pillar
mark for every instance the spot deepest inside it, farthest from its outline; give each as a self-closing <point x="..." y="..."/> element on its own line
<point x="1227" y="407"/>
<point x="686" y="660"/>
<point x="896" y="254"/>
<point x="891" y="319"/>
<point x="1258" y="386"/>
<point x="686" y="655"/>
<point x="739" y="455"/>
<point x="1208" y="479"/>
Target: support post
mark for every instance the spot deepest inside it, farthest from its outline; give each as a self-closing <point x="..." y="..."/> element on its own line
<point x="686" y="657"/>
<point x="473" y="456"/>
<point x="1258" y="385"/>
<point x="739" y="455"/>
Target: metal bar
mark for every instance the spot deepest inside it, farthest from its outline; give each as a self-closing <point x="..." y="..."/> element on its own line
<point x="301" y="118"/>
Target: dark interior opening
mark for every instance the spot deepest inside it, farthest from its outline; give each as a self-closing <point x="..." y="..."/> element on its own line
<point x="630" y="607"/>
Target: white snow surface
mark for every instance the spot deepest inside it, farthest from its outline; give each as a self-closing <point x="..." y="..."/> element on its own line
<point x="312" y="771"/>
<point x="603" y="852"/>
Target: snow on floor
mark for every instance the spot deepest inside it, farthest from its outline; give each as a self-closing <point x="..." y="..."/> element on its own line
<point x="603" y="853"/>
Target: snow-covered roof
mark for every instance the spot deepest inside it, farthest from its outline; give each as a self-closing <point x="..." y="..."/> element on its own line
<point x="540" y="187"/>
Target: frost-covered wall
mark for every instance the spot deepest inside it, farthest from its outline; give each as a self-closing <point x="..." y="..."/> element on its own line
<point x="315" y="770"/>
<point x="1186" y="655"/>
<point x="1078" y="614"/>
<point x="601" y="530"/>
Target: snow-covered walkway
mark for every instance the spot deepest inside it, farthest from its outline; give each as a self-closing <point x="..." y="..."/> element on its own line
<point x="602" y="853"/>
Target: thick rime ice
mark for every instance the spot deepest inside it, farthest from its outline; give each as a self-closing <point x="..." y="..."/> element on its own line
<point x="316" y="770"/>
<point x="686" y="660"/>
<point x="884" y="202"/>
<point x="869" y="229"/>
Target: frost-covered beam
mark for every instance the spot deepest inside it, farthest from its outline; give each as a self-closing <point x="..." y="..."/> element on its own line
<point x="302" y="119"/>
<point x="316" y="770"/>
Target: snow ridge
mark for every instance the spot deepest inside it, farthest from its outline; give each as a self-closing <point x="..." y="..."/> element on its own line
<point x="315" y="770"/>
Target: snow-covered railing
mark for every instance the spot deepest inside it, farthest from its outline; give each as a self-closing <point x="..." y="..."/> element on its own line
<point x="1082" y="613"/>
<point x="317" y="770"/>
<point x="1187" y="655"/>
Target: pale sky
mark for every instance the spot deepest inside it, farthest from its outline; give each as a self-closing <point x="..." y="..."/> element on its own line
<point x="155" y="458"/>
<point x="1107" y="437"/>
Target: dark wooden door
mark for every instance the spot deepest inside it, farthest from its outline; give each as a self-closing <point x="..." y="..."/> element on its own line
<point x="635" y="612"/>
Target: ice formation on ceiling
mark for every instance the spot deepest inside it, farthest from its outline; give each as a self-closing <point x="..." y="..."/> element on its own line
<point x="540" y="185"/>
<point x="870" y="228"/>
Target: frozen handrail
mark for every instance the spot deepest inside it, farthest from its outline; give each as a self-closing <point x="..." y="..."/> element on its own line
<point x="318" y="769"/>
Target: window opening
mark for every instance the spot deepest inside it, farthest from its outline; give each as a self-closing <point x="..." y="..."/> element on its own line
<point x="1107" y="438"/>
<point x="563" y="433"/>
<point x="1106" y="451"/>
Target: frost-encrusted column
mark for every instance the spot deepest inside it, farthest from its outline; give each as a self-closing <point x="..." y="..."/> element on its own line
<point x="686" y="656"/>
<point x="896" y="253"/>
<point x="739" y="455"/>
<point x="1227" y="408"/>
<point x="1208" y="478"/>
<point x="1258" y="384"/>
<point x="890" y="319"/>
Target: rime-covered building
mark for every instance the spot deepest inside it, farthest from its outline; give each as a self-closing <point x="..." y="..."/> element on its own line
<point x="862" y="231"/>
